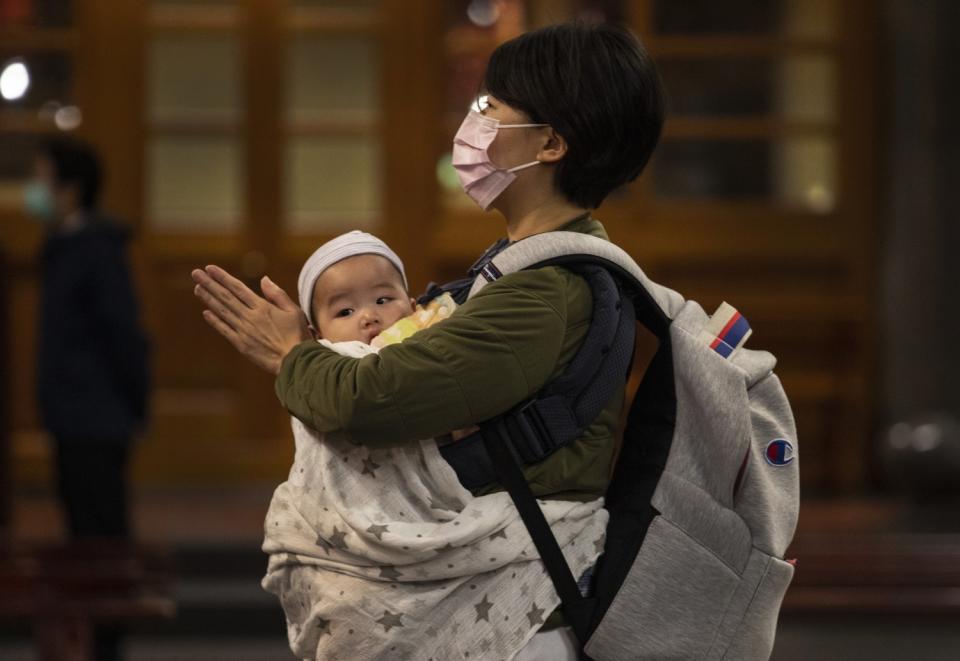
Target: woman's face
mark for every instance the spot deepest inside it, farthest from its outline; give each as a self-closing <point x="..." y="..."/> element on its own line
<point x="513" y="146"/>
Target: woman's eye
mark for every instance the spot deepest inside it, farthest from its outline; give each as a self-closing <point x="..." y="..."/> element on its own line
<point x="344" y="312"/>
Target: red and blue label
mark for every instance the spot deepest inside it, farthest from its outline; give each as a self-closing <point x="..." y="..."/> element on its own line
<point x="779" y="452"/>
<point x="731" y="336"/>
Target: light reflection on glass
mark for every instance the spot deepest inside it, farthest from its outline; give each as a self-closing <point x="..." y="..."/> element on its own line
<point x="483" y="13"/>
<point x="14" y="81"/>
<point x="68" y="118"/>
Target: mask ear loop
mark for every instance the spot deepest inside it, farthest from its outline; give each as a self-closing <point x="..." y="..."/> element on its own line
<point x="523" y="167"/>
<point x="522" y="126"/>
<point x="519" y="126"/>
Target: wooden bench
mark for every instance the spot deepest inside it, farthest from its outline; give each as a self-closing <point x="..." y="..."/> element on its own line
<point x="896" y="574"/>
<point x="66" y="590"/>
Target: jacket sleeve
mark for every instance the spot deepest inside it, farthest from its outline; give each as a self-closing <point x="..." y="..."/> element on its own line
<point x="117" y="314"/>
<point x="495" y="351"/>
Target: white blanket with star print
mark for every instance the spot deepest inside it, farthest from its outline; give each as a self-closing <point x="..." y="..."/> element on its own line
<point x="383" y="554"/>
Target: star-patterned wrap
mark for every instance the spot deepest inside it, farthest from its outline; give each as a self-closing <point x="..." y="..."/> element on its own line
<point x="396" y="560"/>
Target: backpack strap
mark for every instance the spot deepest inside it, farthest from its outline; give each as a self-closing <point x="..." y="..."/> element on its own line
<point x="656" y="305"/>
<point x="561" y="412"/>
<point x="647" y="440"/>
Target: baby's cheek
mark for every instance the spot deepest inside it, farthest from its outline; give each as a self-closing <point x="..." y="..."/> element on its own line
<point x="337" y="330"/>
<point x="396" y="314"/>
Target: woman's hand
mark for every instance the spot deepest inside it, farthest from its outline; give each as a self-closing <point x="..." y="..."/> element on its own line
<point x="262" y="329"/>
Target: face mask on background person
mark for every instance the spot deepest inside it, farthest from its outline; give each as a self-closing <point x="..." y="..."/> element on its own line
<point x="480" y="178"/>
<point x="38" y="202"/>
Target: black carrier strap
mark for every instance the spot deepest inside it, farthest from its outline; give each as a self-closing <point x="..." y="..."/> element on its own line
<point x="577" y="609"/>
<point x="562" y="411"/>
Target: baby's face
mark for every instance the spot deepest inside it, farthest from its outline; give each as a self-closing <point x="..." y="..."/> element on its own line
<point x="358" y="297"/>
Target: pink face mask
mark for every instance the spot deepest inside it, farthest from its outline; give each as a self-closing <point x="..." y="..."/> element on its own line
<point x="481" y="179"/>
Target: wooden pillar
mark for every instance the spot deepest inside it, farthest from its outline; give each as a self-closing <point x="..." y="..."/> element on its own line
<point x="5" y="425"/>
<point x="919" y="264"/>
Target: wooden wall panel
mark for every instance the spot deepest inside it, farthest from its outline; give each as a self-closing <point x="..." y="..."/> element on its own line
<point x="804" y="281"/>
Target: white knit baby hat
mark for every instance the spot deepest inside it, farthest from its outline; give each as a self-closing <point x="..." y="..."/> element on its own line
<point x="336" y="250"/>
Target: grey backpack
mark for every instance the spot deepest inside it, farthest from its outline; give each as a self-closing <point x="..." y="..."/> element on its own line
<point x="704" y="497"/>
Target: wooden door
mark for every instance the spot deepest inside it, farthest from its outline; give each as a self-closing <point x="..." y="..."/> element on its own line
<point x="238" y="132"/>
<point x="272" y="120"/>
<point x="247" y="132"/>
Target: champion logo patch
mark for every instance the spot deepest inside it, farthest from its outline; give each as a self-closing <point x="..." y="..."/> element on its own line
<point x="779" y="452"/>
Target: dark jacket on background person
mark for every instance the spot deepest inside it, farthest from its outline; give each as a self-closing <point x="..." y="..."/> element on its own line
<point x="92" y="368"/>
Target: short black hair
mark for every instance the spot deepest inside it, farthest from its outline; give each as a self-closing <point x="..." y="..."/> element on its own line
<point x="595" y="84"/>
<point x="75" y="162"/>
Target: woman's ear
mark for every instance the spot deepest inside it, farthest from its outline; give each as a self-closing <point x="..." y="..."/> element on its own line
<point x="554" y="148"/>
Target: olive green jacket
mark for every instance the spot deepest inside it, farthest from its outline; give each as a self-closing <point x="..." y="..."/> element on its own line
<point x="497" y="350"/>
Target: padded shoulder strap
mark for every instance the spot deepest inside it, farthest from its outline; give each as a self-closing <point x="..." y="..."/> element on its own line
<point x="656" y="302"/>
<point x="560" y="412"/>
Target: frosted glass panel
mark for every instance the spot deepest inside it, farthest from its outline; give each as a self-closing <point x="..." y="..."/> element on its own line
<point x="195" y="183"/>
<point x="723" y="169"/>
<point x="795" y="18"/>
<point x="217" y="14"/>
<point x="806" y="173"/>
<point x="799" y="87"/>
<point x="332" y="77"/>
<point x="810" y="18"/>
<point x="194" y="78"/>
<point x="795" y="172"/>
<point x="332" y="183"/>
<point x="806" y="88"/>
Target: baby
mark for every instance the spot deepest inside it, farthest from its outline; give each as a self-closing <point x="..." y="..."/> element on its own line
<point x="353" y="288"/>
<point x="370" y="549"/>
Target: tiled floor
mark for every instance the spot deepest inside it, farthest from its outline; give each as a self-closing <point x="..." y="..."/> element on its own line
<point x="216" y="534"/>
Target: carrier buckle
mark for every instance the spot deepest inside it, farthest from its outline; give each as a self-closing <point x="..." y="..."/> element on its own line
<point x="528" y="435"/>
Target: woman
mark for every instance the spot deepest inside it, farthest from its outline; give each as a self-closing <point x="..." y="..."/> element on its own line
<point x="572" y="112"/>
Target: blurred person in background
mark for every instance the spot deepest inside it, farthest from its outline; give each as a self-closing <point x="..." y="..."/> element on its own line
<point x="92" y="364"/>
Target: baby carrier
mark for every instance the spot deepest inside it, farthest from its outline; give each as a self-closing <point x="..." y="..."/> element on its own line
<point x="704" y="496"/>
